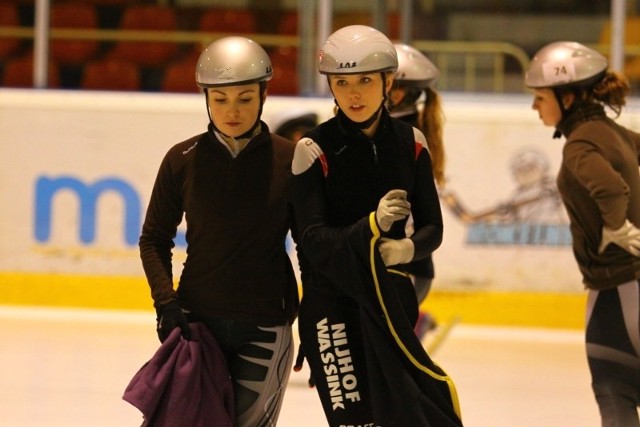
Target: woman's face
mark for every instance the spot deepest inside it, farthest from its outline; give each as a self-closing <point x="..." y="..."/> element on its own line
<point x="234" y="109"/>
<point x="546" y="104"/>
<point x="359" y="95"/>
<point x="396" y="95"/>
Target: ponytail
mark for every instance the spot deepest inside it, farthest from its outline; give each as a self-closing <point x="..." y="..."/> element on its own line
<point x="431" y="122"/>
<point x="612" y="91"/>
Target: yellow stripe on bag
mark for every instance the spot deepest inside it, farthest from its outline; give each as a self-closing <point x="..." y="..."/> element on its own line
<point x="372" y="247"/>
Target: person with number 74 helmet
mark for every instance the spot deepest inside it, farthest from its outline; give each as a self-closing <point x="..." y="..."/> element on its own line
<point x="599" y="184"/>
<point x="357" y="177"/>
<point x="230" y="185"/>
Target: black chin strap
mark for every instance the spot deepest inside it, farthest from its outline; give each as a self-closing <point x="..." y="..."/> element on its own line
<point x="563" y="112"/>
<point x="370" y="121"/>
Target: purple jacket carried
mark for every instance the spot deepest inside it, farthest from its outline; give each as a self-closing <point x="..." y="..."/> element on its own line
<point x="184" y="384"/>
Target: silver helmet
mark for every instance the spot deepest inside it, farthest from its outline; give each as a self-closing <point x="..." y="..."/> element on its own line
<point x="357" y="49"/>
<point x="232" y="61"/>
<point x="564" y="64"/>
<point x="414" y="68"/>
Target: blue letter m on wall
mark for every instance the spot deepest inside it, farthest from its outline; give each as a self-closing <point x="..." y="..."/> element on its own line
<point x="88" y="196"/>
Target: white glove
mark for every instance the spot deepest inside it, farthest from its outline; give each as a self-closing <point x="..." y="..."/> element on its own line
<point x="627" y="237"/>
<point x="393" y="207"/>
<point x="396" y="252"/>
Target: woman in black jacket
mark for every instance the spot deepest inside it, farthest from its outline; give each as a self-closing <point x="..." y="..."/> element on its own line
<point x="230" y="185"/>
<point x="356" y="179"/>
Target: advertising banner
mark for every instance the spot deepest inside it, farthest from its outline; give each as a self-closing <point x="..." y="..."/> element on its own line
<point x="78" y="168"/>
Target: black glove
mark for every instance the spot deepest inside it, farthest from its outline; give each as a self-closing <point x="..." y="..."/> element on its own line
<point x="297" y="367"/>
<point x="171" y="316"/>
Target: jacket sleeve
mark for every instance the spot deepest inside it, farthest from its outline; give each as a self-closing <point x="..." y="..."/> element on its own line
<point x="588" y="164"/>
<point x="163" y="216"/>
<point x="425" y="205"/>
<point x="635" y="137"/>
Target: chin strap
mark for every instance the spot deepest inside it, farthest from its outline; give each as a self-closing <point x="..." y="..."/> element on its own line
<point x="367" y="123"/>
<point x="563" y="111"/>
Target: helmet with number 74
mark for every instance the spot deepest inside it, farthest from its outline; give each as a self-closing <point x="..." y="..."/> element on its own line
<point x="564" y="63"/>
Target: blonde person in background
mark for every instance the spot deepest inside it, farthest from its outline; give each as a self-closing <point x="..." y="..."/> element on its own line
<point x="414" y="100"/>
<point x="599" y="184"/>
<point x="230" y="183"/>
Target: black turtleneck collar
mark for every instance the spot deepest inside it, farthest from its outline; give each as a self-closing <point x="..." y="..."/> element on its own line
<point x="347" y="125"/>
<point x="580" y="114"/>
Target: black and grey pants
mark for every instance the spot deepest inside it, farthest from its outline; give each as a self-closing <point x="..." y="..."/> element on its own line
<point x="259" y="360"/>
<point x="613" y="352"/>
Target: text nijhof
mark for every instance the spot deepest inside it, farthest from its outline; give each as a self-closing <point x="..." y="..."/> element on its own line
<point x="337" y="364"/>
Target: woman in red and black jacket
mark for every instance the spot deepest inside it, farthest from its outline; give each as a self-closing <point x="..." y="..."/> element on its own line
<point x="356" y="179"/>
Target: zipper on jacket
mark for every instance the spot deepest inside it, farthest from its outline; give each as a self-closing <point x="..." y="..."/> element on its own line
<point x="375" y="152"/>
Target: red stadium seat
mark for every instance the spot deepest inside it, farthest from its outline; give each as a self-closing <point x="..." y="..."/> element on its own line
<point x="111" y="74"/>
<point x="73" y="14"/>
<point x="285" y="71"/>
<point x="179" y="76"/>
<point x="288" y="24"/>
<point x="146" y="17"/>
<point x="109" y="2"/>
<point x="9" y="17"/>
<point x="364" y="18"/>
<point x="18" y="72"/>
<point x="228" y="21"/>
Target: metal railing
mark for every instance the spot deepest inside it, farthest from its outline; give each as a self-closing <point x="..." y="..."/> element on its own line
<point x="184" y="37"/>
<point x="445" y="53"/>
<point x="471" y="52"/>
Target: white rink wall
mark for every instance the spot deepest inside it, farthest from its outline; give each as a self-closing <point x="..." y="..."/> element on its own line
<point x="78" y="168"/>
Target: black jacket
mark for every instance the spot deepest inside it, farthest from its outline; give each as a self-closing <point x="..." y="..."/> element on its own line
<point x="347" y="181"/>
<point x="237" y="216"/>
<point x="339" y="177"/>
